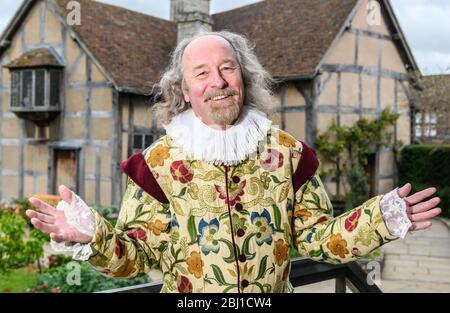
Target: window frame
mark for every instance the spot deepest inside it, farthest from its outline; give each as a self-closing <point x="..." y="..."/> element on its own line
<point x="47" y="90"/>
<point x="426" y="125"/>
<point x="143" y="133"/>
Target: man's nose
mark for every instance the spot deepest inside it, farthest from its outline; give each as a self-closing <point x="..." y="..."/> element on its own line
<point x="217" y="81"/>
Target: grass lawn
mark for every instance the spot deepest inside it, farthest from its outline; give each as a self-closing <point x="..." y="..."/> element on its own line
<point x="18" y="280"/>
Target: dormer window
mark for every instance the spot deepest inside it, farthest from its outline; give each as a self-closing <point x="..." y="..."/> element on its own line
<point x="35" y="88"/>
<point x="36" y="79"/>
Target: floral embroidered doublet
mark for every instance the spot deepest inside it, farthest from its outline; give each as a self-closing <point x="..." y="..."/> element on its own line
<point x="230" y="228"/>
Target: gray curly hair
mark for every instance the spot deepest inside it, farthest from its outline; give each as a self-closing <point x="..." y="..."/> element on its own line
<point x="257" y="81"/>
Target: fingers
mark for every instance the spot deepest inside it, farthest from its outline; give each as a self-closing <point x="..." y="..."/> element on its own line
<point x="65" y="193"/>
<point x="419" y="196"/>
<point x="404" y="191"/>
<point x="42" y="206"/>
<point x="423" y="206"/>
<point x="46" y="228"/>
<point x="418" y="217"/>
<point x="420" y="225"/>
<point x="58" y="237"/>
<point x="43" y="217"/>
<point x="40" y="222"/>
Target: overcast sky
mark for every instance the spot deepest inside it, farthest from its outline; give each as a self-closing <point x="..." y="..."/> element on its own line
<point x="426" y="24"/>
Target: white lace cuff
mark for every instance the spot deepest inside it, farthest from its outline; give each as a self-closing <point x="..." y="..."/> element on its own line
<point x="80" y="251"/>
<point x="393" y="209"/>
<point x="80" y="216"/>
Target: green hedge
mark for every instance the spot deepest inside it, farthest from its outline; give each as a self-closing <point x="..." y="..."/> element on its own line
<point x="427" y="166"/>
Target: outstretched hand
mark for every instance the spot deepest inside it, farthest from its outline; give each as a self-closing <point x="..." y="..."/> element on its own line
<point x="53" y="221"/>
<point x="420" y="212"/>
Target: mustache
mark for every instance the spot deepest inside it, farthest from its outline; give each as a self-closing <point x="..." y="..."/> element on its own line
<point x="222" y="92"/>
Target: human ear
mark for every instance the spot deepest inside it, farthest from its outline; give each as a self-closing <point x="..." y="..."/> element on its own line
<point x="186" y="97"/>
<point x="184" y="89"/>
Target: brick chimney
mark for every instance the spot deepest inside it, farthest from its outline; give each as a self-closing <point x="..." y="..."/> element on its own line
<point x="191" y="16"/>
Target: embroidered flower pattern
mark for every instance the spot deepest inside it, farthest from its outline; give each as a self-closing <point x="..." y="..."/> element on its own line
<point x="195" y="264"/>
<point x="280" y="252"/>
<point x="208" y="236"/>
<point x="158" y="155"/>
<point x="184" y="284"/>
<point x="120" y="249"/>
<point x="157" y="227"/>
<point x="264" y="226"/>
<point x="271" y="160"/>
<point x="234" y="193"/>
<point x="337" y="245"/>
<point x="180" y="171"/>
<point x="285" y="139"/>
<point x="138" y="233"/>
<point x="301" y="213"/>
<point x="352" y="221"/>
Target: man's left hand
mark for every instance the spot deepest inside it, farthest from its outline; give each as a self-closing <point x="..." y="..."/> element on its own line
<point x="420" y="212"/>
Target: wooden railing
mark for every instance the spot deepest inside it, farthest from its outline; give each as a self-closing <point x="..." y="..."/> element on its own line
<point x="303" y="272"/>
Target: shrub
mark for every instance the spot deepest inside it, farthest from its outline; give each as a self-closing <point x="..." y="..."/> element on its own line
<point x="56" y="280"/>
<point x="359" y="188"/>
<point x="14" y="250"/>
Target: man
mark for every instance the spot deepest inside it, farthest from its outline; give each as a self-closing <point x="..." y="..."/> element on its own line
<point x="219" y="200"/>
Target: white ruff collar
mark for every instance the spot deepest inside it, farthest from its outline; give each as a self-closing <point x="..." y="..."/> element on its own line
<point x="228" y="147"/>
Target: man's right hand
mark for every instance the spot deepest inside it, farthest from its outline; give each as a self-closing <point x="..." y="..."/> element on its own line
<point x="53" y="221"/>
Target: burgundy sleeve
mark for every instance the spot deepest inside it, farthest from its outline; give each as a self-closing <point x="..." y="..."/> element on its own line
<point x="137" y="169"/>
<point x="306" y="167"/>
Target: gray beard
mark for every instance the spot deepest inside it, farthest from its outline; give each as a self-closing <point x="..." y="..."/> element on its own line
<point x="225" y="115"/>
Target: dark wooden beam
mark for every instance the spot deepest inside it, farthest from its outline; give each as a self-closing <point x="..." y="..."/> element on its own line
<point x="395" y="130"/>
<point x="346" y="109"/>
<point x="130" y="125"/>
<point x="116" y="182"/>
<point x="67" y="72"/>
<point x="88" y="104"/>
<point x="369" y="33"/>
<point x="357" y="36"/>
<point x="338" y="99"/>
<point x="91" y="84"/>
<point x="64" y="42"/>
<point x="304" y="87"/>
<point x="325" y="82"/>
<point x="298" y="108"/>
<point x="282" y="112"/>
<point x="365" y="70"/>
<point x="360" y="95"/>
<point x="311" y="112"/>
<point x="98" y="165"/>
<point x="23" y="44"/>
<point x="21" y="157"/>
<point x="379" y="65"/>
<point x="42" y="22"/>
<point x="51" y="170"/>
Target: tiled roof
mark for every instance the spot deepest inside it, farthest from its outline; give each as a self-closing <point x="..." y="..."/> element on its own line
<point x="291" y="36"/>
<point x="133" y="47"/>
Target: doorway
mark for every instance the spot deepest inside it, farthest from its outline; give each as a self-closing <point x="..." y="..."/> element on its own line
<point x="66" y="169"/>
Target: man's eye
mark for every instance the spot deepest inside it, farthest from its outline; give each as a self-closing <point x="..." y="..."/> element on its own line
<point x="201" y="74"/>
<point x="227" y="68"/>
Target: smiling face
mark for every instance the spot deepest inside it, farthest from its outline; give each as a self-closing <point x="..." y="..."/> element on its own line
<point x="213" y="81"/>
